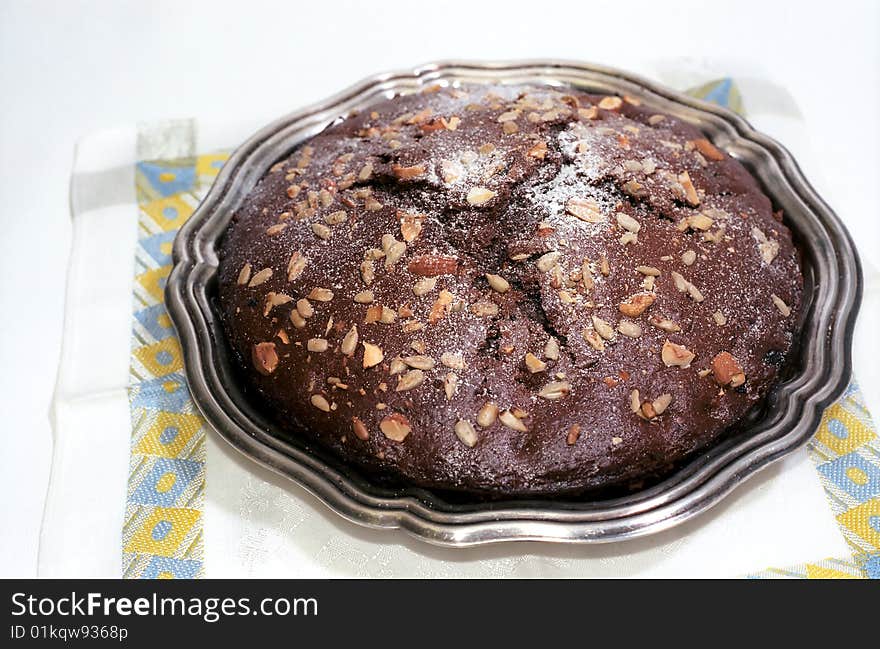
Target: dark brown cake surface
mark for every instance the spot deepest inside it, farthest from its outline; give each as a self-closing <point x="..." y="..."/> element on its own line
<point x="509" y="290"/>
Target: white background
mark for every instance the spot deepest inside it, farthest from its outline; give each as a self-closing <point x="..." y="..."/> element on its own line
<point x="67" y="68"/>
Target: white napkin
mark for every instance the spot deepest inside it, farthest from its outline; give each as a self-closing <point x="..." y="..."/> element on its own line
<point x="257" y="524"/>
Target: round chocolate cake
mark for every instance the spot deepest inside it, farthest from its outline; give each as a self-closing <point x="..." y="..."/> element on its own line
<point x="509" y="290"/>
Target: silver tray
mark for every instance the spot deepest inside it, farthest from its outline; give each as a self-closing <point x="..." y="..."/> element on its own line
<point x="817" y="372"/>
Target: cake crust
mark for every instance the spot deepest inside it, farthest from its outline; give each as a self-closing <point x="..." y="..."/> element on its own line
<point x="509" y="290"/>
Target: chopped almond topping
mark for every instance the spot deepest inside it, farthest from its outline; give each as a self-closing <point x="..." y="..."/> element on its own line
<point x="690" y="192"/>
<point x="727" y="370"/>
<point x="320" y="402"/>
<point x="610" y="103"/>
<point x="451" y="360"/>
<point x="498" y="283"/>
<point x="244" y="275"/>
<point x="450" y="385"/>
<point x="512" y="421"/>
<point x="594" y="340"/>
<point x="373" y="354"/>
<point x="636" y="304"/>
<point x="487" y="415"/>
<point x="784" y="309"/>
<point x="321" y="294"/>
<point x="438" y="310"/>
<point x="410" y="380"/>
<point x="551" y="349"/>
<point x="408" y="173"/>
<point x="674" y="355"/>
<point x="585" y="209"/>
<point x="274" y="299"/>
<point x="350" y="341"/>
<point x="410" y="225"/>
<point x="465" y="431"/>
<point x="555" y="390"/>
<point x="661" y="403"/>
<point x="433" y="265"/>
<point x="260" y="277"/>
<point x="265" y="358"/>
<point x="360" y="430"/>
<point x="424" y="286"/>
<point x="534" y="364"/>
<point x="574" y="432"/>
<point x="395" y="427"/>
<point x="479" y="195"/>
<point x="295" y="266"/>
<point x="708" y="149"/>
<point x="317" y="345"/>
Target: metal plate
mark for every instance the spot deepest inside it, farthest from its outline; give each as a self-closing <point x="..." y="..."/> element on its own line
<point x="817" y="373"/>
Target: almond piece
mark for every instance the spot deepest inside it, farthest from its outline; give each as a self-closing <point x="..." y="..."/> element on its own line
<point x="274" y="299"/>
<point x="477" y="196"/>
<point x="551" y="349"/>
<point x="395" y="427"/>
<point x="466" y="432"/>
<point x="419" y="362"/>
<point x="410" y="380"/>
<point x="664" y="323"/>
<point x="636" y="304"/>
<point x="603" y="328"/>
<point x="784" y="309"/>
<point x="260" y="277"/>
<point x="488" y="414"/>
<point x="450" y="385"/>
<point x="320" y="402"/>
<point x="321" y="231"/>
<point x="317" y="345"/>
<point x="433" y="265"/>
<point x="244" y="275"/>
<point x="407" y="173"/>
<point x="452" y="360"/>
<point x="548" y="261"/>
<point x="320" y="294"/>
<point x="661" y="403"/>
<point x="305" y="308"/>
<point x="264" y="358"/>
<point x="595" y="340"/>
<point x="708" y="149"/>
<point x="690" y="192"/>
<point x="512" y="421"/>
<point x="574" y="432"/>
<point x="424" y="286"/>
<point x="484" y="309"/>
<point x="629" y="328"/>
<point x="534" y="364"/>
<point x="610" y="103"/>
<point x="628" y="223"/>
<point x="555" y="390"/>
<point x="635" y="403"/>
<point x="410" y="225"/>
<point x="349" y="343"/>
<point x="360" y="430"/>
<point x="498" y="283"/>
<point x="585" y="209"/>
<point x="373" y="354"/>
<point x="727" y="370"/>
<point x="674" y="355"/>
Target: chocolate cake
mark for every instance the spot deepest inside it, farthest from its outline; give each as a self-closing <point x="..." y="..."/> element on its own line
<point x="509" y="290"/>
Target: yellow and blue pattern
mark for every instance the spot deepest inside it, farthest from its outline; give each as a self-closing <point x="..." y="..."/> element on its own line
<point x="162" y="533"/>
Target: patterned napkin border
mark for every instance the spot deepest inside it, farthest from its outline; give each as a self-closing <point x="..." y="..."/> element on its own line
<point x="162" y="532"/>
